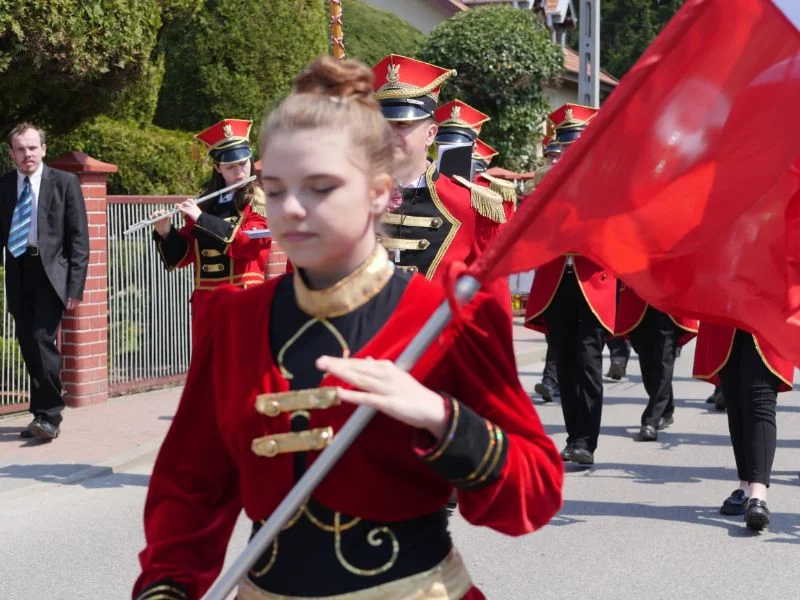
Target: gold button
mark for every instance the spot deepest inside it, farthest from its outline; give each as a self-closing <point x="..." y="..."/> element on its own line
<point x="322" y="439"/>
<point x="272" y="409"/>
<point x="270" y="448"/>
<point x="436" y="223"/>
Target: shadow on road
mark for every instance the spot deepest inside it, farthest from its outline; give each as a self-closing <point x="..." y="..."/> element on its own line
<point x="88" y="476"/>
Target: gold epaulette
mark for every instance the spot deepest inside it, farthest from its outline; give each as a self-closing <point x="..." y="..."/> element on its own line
<point x="259" y="202"/>
<point x="487" y="203"/>
<point x="500" y="186"/>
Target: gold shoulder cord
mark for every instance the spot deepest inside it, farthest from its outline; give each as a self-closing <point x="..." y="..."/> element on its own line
<point x="306" y="326"/>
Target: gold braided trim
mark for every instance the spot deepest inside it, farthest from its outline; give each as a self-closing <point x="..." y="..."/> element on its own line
<point x="404" y="244"/>
<point x="487" y="203"/>
<point x="500" y="186"/>
<point x="404" y="90"/>
<point x="490" y="446"/>
<point x="444" y="444"/>
<point x="407" y="221"/>
<point x="449" y="580"/>
<point x="162" y="592"/>
<point x="309" y="399"/>
<point x="269" y="446"/>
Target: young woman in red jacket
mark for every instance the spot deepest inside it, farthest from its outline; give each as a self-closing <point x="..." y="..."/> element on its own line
<point x="318" y="342"/>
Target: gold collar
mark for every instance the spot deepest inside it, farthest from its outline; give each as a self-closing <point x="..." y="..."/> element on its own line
<point x="350" y="293"/>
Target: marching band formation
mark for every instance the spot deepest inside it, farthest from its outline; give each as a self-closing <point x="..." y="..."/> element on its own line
<point x="280" y="364"/>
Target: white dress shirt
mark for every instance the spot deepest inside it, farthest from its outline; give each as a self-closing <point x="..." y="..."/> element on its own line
<point x="36" y="184"/>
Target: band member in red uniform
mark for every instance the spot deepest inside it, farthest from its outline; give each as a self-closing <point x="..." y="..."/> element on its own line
<point x="319" y="341"/>
<point x="215" y="238"/>
<point x="751" y="374"/>
<point x="656" y="337"/>
<point x="439" y="220"/>
<point x="574" y="301"/>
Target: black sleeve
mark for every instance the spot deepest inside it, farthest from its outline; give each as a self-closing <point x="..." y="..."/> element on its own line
<point x="172" y="249"/>
<point x="76" y="238"/>
<point x="219" y="228"/>
<point x="163" y="589"/>
<point x="472" y="452"/>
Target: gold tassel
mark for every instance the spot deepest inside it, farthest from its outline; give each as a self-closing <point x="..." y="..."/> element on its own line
<point x="487" y="203"/>
<point x="259" y="202"/>
<point x="505" y="188"/>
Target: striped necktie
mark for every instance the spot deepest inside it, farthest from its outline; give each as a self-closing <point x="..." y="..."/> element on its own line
<point x="21" y="221"/>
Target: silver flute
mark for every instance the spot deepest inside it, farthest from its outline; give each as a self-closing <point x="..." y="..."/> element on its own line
<point x="147" y="222"/>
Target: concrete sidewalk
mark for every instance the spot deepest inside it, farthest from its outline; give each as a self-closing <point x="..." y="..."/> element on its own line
<point x="112" y="437"/>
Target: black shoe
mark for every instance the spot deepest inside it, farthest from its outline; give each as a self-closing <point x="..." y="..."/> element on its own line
<point x="44" y="429"/>
<point x="582" y="456"/>
<point x="648" y="433"/>
<point x="26" y="433"/>
<point x="664" y="422"/>
<point x="757" y="515"/>
<point x="735" y="504"/>
<point x="566" y="453"/>
<point x="616" y="371"/>
<point x="719" y="401"/>
<point x="546" y="391"/>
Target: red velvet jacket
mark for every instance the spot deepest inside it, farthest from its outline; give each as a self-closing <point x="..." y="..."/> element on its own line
<point x="631" y="310"/>
<point x="599" y="288"/>
<point x="206" y="471"/>
<point x="714" y="343"/>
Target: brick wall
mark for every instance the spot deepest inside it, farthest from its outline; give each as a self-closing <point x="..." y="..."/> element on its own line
<point x="84" y="331"/>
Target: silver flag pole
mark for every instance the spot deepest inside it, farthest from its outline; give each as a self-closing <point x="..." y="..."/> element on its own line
<point x="466" y="288"/>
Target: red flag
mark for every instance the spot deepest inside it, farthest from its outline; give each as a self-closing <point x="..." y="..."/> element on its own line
<point x="684" y="184"/>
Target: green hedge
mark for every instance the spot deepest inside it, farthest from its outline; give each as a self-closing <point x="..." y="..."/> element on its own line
<point x="503" y="57"/>
<point x="371" y="33"/>
<point x="235" y="58"/>
<point x="150" y="160"/>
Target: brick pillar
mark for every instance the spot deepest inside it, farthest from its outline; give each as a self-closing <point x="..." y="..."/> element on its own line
<point x="84" y="331"/>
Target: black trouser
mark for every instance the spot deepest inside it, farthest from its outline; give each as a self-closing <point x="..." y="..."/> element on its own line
<point x="550" y="375"/>
<point x="577" y="338"/>
<point x="750" y="391"/>
<point x="619" y="350"/>
<point x="656" y="342"/>
<point x="36" y="325"/>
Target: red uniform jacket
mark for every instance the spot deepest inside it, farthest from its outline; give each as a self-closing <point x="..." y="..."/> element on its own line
<point x="207" y="471"/>
<point x="470" y="219"/>
<point x="714" y="343"/>
<point x="631" y="310"/>
<point x="220" y="251"/>
<point x="598" y="286"/>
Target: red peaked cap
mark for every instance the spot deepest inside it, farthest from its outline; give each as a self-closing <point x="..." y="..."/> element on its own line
<point x="228" y="140"/>
<point x="408" y="89"/>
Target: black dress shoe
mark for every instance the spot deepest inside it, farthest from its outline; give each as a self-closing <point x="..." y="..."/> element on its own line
<point x="664" y="422"/>
<point x="566" y="453"/>
<point x="735" y="504"/>
<point x="648" y="433"/>
<point x="582" y="456"/>
<point x="26" y="433"/>
<point x="616" y="371"/>
<point x="757" y="515"/>
<point x="45" y="429"/>
<point x="546" y="391"/>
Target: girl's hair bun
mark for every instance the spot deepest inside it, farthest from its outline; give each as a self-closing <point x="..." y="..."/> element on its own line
<point x="328" y="76"/>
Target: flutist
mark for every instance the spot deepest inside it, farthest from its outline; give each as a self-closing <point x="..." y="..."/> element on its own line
<point x="220" y="237"/>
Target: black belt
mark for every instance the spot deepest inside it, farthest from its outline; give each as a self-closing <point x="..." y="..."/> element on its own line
<point x="31" y="251"/>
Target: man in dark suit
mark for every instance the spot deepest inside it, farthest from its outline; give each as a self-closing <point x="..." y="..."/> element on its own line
<point x="44" y="230"/>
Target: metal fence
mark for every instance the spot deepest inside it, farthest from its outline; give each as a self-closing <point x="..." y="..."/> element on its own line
<point x="14" y="380"/>
<point x="149" y="332"/>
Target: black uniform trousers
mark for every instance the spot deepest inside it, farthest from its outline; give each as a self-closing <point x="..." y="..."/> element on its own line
<point x="619" y="350"/>
<point x="655" y="340"/>
<point x="550" y="374"/>
<point x="750" y="391"/>
<point x="36" y="325"/>
<point x="577" y="338"/>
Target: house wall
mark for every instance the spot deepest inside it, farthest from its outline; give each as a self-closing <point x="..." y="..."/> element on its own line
<point x="422" y="14"/>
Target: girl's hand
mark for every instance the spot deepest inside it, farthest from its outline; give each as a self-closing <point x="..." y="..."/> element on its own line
<point x="190" y="209"/>
<point x="387" y="388"/>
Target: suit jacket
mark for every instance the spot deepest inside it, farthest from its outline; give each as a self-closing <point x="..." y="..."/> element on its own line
<point x="63" y="236"/>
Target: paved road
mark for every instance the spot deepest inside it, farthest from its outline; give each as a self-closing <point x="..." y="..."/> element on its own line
<point x="642" y="523"/>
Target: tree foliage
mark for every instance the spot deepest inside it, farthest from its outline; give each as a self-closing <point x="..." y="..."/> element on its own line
<point x="234" y="58"/>
<point x="62" y="61"/>
<point x="627" y="28"/>
<point x="503" y="56"/>
<point x="150" y="160"/>
<point x="371" y="33"/>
